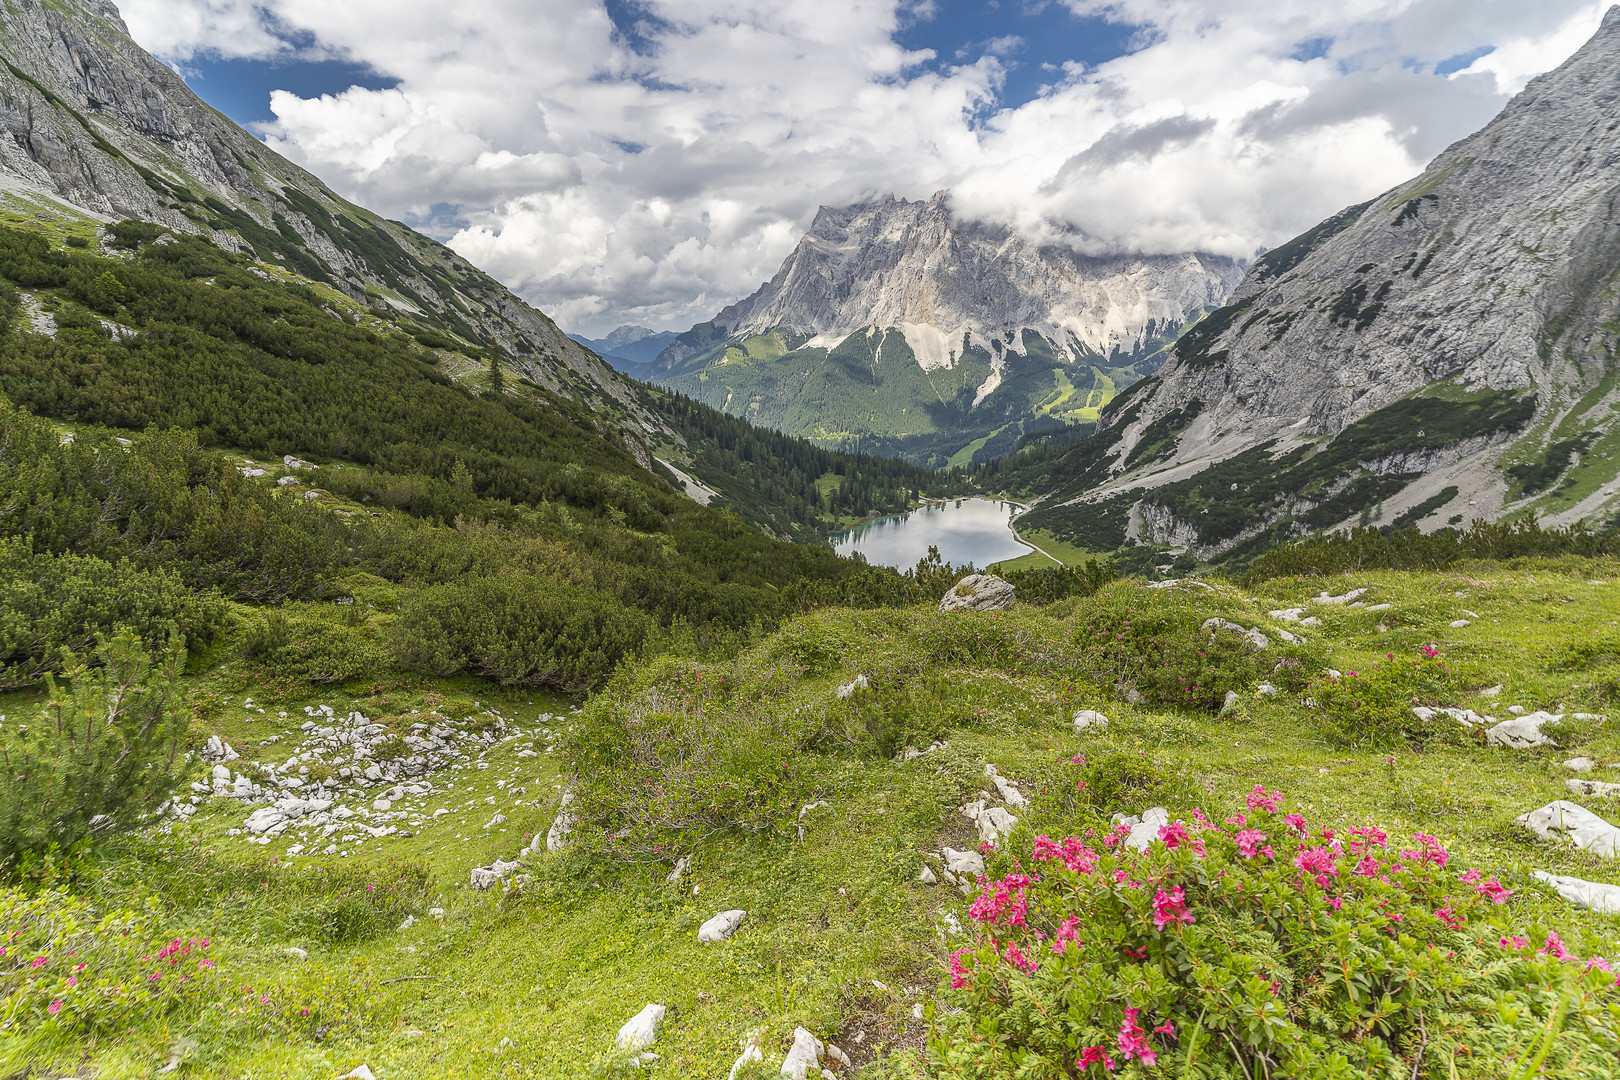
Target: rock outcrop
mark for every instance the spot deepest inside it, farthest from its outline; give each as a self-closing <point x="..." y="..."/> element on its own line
<point x="978" y="592"/>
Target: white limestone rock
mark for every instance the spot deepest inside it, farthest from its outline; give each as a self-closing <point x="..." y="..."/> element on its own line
<point x="1523" y="732"/>
<point x="557" y="837"/>
<point x="1592" y="895"/>
<point x="641" y="1030"/>
<point x="1594" y="788"/>
<point x="995" y="822"/>
<point x="1580" y="764"/>
<point x="1009" y="794"/>
<point x="1089" y="720"/>
<point x="978" y="592"/>
<point x="804" y="1057"/>
<point x="848" y="690"/>
<point x="488" y="877"/>
<point x="963" y="863"/>
<point x="722" y="926"/>
<point x="1563" y="820"/>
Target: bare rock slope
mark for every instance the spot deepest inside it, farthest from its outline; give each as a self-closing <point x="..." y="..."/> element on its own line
<point x="1445" y="352"/>
<point x="93" y="122"/>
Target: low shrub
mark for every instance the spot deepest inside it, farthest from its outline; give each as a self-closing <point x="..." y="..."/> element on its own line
<point x="49" y="603"/>
<point x="1153" y="641"/>
<point x="1374" y="707"/>
<point x="102" y="751"/>
<point x="679" y="750"/>
<point x="518" y="629"/>
<point x="313" y="648"/>
<point x="1257" y="947"/>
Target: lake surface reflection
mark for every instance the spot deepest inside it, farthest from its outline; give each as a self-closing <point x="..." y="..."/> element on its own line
<point x="977" y="531"/>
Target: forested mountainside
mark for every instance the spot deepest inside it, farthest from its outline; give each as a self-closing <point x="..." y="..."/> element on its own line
<point x="102" y="133"/>
<point x="898" y="328"/>
<point x="1444" y="353"/>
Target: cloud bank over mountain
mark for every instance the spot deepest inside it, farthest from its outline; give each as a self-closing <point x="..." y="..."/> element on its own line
<point x="652" y="161"/>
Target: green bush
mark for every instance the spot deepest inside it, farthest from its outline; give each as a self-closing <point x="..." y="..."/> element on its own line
<point x="1258" y="948"/>
<point x="674" y="751"/>
<point x="1374" y="708"/>
<point x="49" y="603"/>
<point x="518" y="629"/>
<point x="314" y="648"/>
<point x="1153" y="640"/>
<point x="102" y="751"/>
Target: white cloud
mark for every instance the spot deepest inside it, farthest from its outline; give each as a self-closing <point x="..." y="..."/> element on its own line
<point x="608" y="184"/>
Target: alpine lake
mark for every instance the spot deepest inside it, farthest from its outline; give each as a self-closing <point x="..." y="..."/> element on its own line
<point x="966" y="531"/>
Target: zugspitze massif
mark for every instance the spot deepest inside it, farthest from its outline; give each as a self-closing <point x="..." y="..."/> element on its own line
<point x="898" y="326"/>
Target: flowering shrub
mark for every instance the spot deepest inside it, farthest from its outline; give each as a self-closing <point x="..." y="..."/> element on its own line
<point x="1258" y="947"/>
<point x="1374" y="707"/>
<point x="65" y="968"/>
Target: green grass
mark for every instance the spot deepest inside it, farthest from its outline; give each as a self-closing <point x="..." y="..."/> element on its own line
<point x="557" y="967"/>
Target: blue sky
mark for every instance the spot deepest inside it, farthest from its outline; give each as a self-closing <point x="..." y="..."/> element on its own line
<point x="650" y="161"/>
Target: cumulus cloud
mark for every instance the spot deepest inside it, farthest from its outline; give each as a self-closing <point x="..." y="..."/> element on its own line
<point x="654" y="170"/>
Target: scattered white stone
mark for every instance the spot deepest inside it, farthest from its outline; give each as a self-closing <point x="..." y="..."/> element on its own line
<point x="752" y="1050"/>
<point x="1230" y="702"/>
<point x="287" y="481"/>
<point x="1580" y="764"/>
<point x="679" y="871"/>
<point x="641" y="1030"/>
<point x="1353" y="594"/>
<point x="1491" y="691"/>
<point x="1009" y="794"/>
<point x="1589" y="716"/>
<point x="994" y="822"/>
<point x="487" y="877"/>
<point x="1266" y="690"/>
<point x="1293" y="614"/>
<point x="1469" y="614"/>
<point x="557" y="837"/>
<point x="1145" y="830"/>
<point x="217" y="749"/>
<point x="966" y="863"/>
<point x="296" y="953"/>
<point x="846" y="691"/>
<point x="1381" y="607"/>
<point x="978" y="592"/>
<point x="1567" y="820"/>
<point x="722" y="926"/>
<point x="803" y="1056"/>
<point x="1595" y="896"/>
<point x="1087" y="719"/>
<point x="1595" y="788"/>
<point x="926" y="876"/>
<point x="361" y="1072"/>
<point x="498" y="819"/>
<point x="839" y="1056"/>
<point x="1458" y="624"/>
<point x="1173" y="582"/>
<point x="1465" y="717"/>
<point x="1310" y="620"/>
<point x="1523" y="732"/>
<point x="410" y="921"/>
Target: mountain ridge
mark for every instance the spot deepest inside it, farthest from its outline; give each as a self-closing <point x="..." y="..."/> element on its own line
<point x="1470" y="315"/>
<point x="939" y="337"/>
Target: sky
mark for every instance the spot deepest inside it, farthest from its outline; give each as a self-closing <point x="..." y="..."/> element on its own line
<point x="650" y="161"/>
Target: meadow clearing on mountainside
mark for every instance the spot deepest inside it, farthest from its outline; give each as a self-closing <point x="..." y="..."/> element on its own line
<point x="840" y="937"/>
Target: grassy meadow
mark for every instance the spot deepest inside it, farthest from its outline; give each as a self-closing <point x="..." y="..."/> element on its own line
<point x="714" y="761"/>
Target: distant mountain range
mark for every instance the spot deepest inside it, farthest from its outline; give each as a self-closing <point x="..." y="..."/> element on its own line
<point x="900" y="328"/>
<point x="1446" y="352"/>
<point x="630" y="349"/>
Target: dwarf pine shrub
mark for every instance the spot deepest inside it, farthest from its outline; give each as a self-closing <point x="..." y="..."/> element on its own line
<point x="1258" y="947"/>
<point x="104" y="749"/>
<point x="314" y="648"/>
<point x="518" y="629"/>
<point x="49" y="603"/>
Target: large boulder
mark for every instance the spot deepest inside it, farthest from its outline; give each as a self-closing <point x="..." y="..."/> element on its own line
<point x="722" y="926"/>
<point x="641" y="1030"/>
<point x="978" y="592"/>
<point x="1603" y="899"/>
<point x="1566" y="820"/>
<point x="804" y="1058"/>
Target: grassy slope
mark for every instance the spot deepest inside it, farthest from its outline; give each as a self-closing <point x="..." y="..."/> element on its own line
<point x="557" y="969"/>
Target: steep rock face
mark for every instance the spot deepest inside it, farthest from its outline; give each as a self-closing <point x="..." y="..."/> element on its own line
<point x="1443" y="353"/>
<point x="948" y="284"/>
<point x="91" y="120"/>
<point x="898" y="328"/>
<point x="1497" y="270"/>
